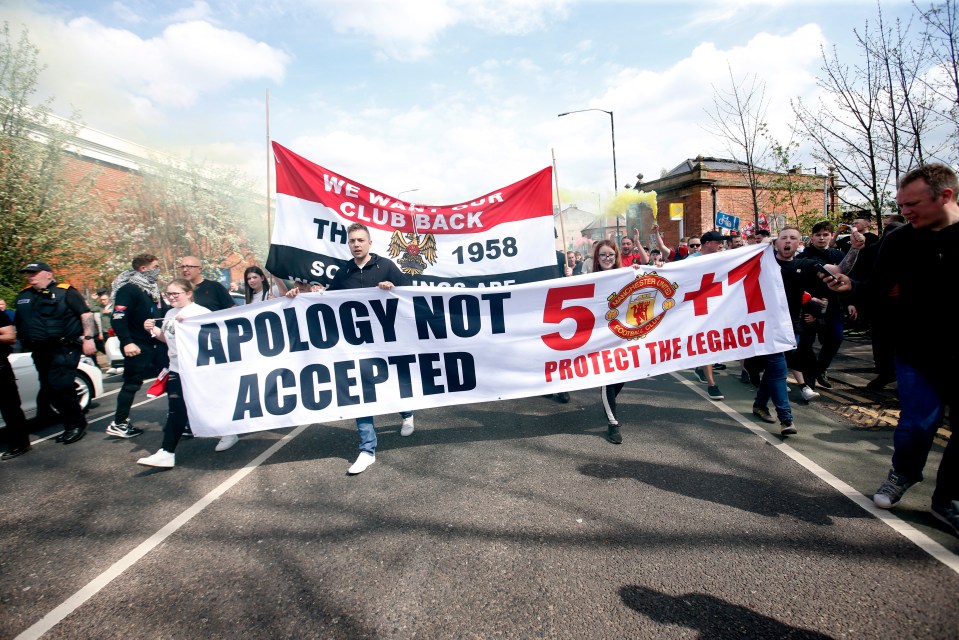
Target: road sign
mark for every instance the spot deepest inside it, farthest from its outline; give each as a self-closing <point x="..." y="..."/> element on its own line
<point x="727" y="221"/>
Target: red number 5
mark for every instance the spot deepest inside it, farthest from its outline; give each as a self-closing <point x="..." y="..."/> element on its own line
<point x="555" y="313"/>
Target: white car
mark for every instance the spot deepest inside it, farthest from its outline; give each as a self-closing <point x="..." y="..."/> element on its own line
<point x="114" y="354"/>
<point x="88" y="379"/>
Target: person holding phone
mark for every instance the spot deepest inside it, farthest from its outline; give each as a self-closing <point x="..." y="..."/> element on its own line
<point x="925" y="289"/>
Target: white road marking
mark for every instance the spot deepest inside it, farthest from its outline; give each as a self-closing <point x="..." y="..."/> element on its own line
<point x="93" y="587"/>
<point x="918" y="538"/>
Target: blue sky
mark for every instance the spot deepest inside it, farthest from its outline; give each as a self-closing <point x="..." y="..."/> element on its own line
<point x="454" y="98"/>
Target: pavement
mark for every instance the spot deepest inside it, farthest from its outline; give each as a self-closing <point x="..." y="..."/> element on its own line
<point x="511" y="519"/>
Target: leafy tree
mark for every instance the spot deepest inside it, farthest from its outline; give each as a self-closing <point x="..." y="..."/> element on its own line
<point x="173" y="211"/>
<point x="43" y="216"/>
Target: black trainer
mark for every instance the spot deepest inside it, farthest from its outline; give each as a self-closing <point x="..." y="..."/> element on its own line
<point x="823" y="381"/>
<point x="787" y="428"/>
<point x="613" y="434"/>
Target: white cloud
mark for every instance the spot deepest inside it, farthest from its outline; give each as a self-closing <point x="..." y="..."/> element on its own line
<point x="124" y="82"/>
<point x="406" y="30"/>
<point x="452" y="141"/>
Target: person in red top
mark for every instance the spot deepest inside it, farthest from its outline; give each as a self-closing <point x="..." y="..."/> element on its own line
<point x="632" y="251"/>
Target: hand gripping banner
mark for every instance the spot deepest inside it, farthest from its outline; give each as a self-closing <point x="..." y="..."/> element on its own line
<point x="323" y="357"/>
<point x="503" y="237"/>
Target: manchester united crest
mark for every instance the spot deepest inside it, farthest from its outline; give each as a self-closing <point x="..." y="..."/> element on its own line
<point x="415" y="252"/>
<point x="639" y="302"/>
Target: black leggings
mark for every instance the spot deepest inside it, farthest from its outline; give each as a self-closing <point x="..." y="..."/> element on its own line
<point x="176" y="418"/>
<point x="610" y="392"/>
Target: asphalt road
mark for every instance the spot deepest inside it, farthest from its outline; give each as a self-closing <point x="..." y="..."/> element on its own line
<point x="512" y="519"/>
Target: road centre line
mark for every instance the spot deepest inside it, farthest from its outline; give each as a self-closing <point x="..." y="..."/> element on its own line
<point x="918" y="538"/>
<point x="93" y="587"/>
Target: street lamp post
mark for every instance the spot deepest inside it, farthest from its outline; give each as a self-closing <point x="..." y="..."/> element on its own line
<point x="714" y="189"/>
<point x="612" y="132"/>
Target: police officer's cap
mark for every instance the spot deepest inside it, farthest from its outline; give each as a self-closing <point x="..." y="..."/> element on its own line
<point x="33" y="267"/>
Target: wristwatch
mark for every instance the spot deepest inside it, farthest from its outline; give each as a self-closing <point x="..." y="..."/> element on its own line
<point x="86" y="337"/>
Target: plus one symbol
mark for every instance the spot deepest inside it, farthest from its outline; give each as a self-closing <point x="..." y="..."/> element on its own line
<point x="708" y="288"/>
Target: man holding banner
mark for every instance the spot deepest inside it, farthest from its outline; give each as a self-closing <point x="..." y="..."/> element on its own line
<point x="369" y="270"/>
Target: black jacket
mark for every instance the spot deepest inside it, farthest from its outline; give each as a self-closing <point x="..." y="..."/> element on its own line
<point x="131" y="308"/>
<point x="914" y="282"/>
<point x="49" y="315"/>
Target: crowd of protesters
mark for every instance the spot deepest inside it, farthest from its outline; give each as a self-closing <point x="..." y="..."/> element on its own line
<point x="831" y="277"/>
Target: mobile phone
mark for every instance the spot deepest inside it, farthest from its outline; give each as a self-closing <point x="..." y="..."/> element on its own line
<point x="823" y="270"/>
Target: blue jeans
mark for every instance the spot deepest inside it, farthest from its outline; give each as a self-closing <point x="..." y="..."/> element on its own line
<point x="773" y="385"/>
<point x="921" y="413"/>
<point x="368" y="432"/>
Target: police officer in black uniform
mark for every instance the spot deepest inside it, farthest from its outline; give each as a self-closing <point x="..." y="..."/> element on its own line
<point x="55" y="324"/>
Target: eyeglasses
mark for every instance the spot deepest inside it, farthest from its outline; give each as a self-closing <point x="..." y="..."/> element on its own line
<point x="189" y="266"/>
<point x="174" y="294"/>
<point x="693" y="246"/>
<point x="607" y="256"/>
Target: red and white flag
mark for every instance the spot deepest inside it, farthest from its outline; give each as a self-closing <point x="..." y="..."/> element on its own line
<point x="502" y="237"/>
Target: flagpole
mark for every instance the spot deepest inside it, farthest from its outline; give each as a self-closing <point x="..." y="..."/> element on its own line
<point x="562" y="226"/>
<point x="268" y="225"/>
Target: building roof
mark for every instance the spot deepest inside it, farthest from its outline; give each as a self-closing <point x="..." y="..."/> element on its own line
<point x="710" y="164"/>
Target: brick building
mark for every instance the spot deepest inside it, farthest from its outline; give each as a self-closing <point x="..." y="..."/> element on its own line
<point x="706" y="186"/>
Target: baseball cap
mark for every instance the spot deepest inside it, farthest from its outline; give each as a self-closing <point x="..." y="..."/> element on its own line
<point x="33" y="267"/>
<point x="712" y="236"/>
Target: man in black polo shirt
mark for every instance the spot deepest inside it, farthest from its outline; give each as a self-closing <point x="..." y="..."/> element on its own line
<point x="369" y="270"/>
<point x="206" y="293"/>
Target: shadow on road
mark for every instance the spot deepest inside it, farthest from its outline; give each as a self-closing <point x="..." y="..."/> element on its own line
<point x="741" y="492"/>
<point x="712" y="617"/>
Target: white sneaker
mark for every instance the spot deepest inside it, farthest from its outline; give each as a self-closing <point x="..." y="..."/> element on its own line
<point x="159" y="459"/>
<point x="362" y="462"/>
<point x="407" y="428"/>
<point x="226" y="442"/>
<point x="808" y="393"/>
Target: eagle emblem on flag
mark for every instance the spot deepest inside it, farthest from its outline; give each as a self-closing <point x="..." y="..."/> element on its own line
<point x="415" y="252"/>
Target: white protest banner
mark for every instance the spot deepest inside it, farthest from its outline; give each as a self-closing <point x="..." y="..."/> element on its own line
<point x="345" y="354"/>
<point x="503" y="237"/>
